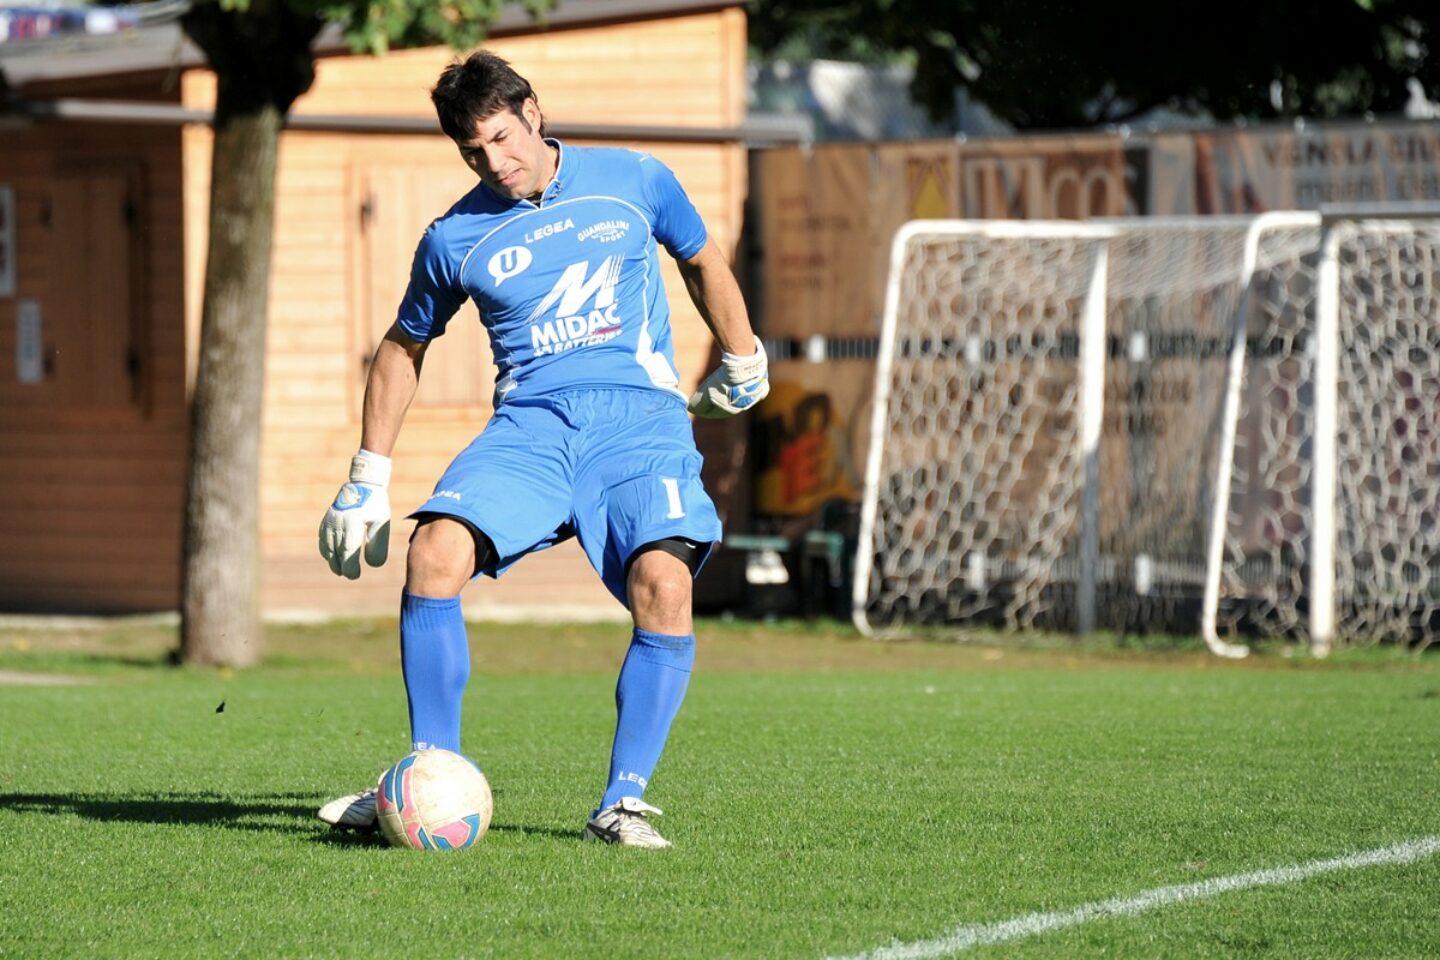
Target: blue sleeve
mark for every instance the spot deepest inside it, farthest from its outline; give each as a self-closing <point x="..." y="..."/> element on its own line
<point x="677" y="225"/>
<point x="434" y="293"/>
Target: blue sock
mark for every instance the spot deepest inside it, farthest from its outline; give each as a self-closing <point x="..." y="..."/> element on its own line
<point x="435" y="659"/>
<point x="647" y="697"/>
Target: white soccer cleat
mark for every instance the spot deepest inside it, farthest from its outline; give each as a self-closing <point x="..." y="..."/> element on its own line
<point x="625" y="823"/>
<point x="355" y="811"/>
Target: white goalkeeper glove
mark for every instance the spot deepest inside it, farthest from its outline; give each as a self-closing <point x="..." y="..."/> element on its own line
<point x="359" y="518"/>
<point x="736" y="386"/>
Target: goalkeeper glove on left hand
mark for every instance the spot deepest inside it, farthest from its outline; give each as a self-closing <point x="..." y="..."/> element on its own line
<point x="359" y="518"/>
<point x="738" y="384"/>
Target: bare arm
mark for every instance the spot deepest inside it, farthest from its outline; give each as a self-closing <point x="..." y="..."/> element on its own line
<point x="716" y="295"/>
<point x="394" y="377"/>
<point x="359" y="519"/>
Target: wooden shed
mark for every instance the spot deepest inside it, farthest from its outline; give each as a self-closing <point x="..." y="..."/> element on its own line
<point x="107" y="199"/>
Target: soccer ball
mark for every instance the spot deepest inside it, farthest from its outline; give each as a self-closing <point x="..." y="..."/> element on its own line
<point x="433" y="800"/>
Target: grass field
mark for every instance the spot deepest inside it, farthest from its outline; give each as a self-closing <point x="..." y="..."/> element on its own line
<point x="827" y="796"/>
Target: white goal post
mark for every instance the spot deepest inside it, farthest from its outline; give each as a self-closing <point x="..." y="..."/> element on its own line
<point x="1214" y="425"/>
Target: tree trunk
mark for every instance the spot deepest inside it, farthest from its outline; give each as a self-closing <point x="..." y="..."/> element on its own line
<point x="262" y="61"/>
<point x="220" y="584"/>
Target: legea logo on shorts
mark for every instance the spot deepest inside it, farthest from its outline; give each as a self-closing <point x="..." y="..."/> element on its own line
<point x="508" y="262"/>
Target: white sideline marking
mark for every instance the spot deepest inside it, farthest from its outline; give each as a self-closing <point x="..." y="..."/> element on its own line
<point x="1032" y="924"/>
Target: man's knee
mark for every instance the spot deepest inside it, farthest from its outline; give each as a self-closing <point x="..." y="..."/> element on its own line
<point x="667" y="587"/>
<point x="441" y="559"/>
<point x="660" y="587"/>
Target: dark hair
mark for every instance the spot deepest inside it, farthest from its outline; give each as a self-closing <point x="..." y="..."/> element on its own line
<point x="478" y="87"/>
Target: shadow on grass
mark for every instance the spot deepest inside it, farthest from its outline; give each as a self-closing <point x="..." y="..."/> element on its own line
<point x="337" y="837"/>
<point x="372" y="838"/>
<point x="165" y="660"/>
<point x="280" y="813"/>
<point x="292" y="813"/>
<point x="521" y="831"/>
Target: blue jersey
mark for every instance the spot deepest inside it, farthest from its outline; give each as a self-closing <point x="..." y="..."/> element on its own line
<point x="568" y="287"/>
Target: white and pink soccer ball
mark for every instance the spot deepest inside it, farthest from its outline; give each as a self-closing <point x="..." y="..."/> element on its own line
<point x="434" y="800"/>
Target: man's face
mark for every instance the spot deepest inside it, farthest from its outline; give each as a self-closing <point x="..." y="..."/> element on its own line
<point x="510" y="159"/>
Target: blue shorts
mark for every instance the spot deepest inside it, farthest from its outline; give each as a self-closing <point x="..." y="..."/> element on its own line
<point x="617" y="468"/>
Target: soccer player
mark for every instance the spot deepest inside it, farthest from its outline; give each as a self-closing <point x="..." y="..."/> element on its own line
<point x="558" y="247"/>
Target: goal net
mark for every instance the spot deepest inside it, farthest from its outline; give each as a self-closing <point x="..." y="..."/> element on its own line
<point x="1379" y="363"/>
<point x="1117" y="425"/>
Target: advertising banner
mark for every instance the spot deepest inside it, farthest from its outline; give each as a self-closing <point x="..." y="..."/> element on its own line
<point x="1046" y="178"/>
<point x="913" y="181"/>
<point x="818" y="241"/>
<point x="827" y="219"/>
<point x="1252" y="171"/>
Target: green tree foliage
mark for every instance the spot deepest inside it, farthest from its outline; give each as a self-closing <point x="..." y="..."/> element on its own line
<point x="1065" y="63"/>
<point x="261" y="53"/>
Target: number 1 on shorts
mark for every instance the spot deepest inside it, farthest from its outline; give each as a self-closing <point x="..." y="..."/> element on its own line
<point x="672" y="490"/>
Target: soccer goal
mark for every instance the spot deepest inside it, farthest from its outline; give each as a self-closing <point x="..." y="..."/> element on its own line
<point x="1222" y="425"/>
